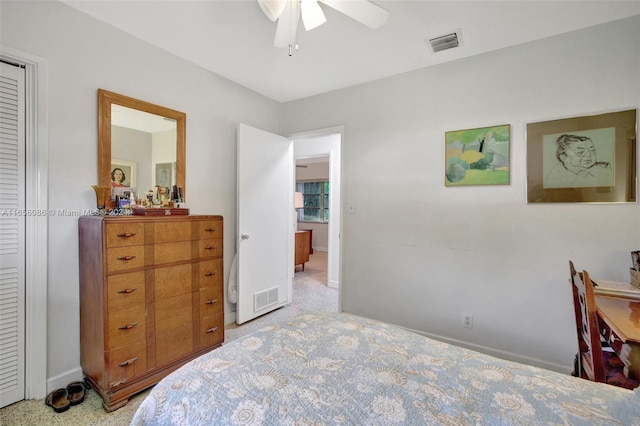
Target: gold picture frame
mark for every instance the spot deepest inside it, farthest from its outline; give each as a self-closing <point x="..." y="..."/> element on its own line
<point x="587" y="159"/>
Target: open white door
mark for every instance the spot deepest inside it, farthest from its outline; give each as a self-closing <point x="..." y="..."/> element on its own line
<point x="265" y="222"/>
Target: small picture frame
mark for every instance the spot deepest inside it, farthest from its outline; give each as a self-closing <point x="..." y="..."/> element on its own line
<point x="635" y="260"/>
<point x="123" y="173"/>
<point x="164" y="175"/>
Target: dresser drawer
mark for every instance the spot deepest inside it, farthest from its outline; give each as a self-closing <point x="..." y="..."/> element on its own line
<point x="211" y="301"/>
<point x="126" y="363"/>
<point x="171" y="252"/>
<point x="124" y="234"/>
<point x="126" y="291"/>
<point x="210" y="273"/>
<point x="208" y="229"/>
<point x="171" y="231"/>
<point x="124" y="258"/>
<point x="126" y="326"/>
<point x="211" y="330"/>
<point x="173" y="313"/>
<point x="210" y="248"/>
<point x="174" y="343"/>
<point x="172" y="281"/>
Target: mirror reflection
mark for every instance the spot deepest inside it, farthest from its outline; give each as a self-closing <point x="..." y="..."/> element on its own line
<point x="143" y="149"/>
<point x="140" y="145"/>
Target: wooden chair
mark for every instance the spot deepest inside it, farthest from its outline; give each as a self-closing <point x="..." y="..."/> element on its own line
<point x="593" y="361"/>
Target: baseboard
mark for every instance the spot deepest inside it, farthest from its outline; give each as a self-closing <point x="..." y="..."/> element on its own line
<point x="333" y="284"/>
<point x="322" y="249"/>
<point x="62" y="380"/>
<point x="509" y="356"/>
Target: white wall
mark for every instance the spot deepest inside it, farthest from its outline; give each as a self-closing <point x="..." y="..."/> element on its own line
<point x="83" y="55"/>
<point x="418" y="254"/>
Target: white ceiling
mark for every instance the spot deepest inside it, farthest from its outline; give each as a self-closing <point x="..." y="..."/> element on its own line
<point x="234" y="39"/>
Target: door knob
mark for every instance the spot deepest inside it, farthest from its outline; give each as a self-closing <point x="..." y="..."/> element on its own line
<point x="244" y="236"/>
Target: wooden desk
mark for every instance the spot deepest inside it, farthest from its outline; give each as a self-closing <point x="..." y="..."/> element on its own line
<point x="621" y="318"/>
<point x="615" y="289"/>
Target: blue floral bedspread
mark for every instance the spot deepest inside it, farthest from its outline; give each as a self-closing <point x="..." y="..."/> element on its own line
<point x="331" y="369"/>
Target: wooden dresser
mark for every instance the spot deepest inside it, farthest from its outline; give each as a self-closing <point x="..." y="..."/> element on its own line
<point x="302" y="243"/>
<point x="151" y="298"/>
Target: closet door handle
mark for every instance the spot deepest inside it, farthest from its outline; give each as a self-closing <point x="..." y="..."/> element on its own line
<point x="208" y="274"/>
<point x="210" y="230"/>
<point x="210" y="247"/>
<point x="127" y="290"/>
<point x="212" y="329"/>
<point x="127" y="258"/>
<point x="127" y="235"/>
<point x="211" y="302"/>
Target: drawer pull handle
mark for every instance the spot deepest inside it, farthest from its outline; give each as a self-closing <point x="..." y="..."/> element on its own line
<point x="210" y="248"/>
<point x="127" y="290"/>
<point x="210" y="230"/>
<point x="118" y="383"/>
<point x="127" y="258"/>
<point x="128" y="326"/>
<point x="128" y="362"/>
<point x="212" y="329"/>
<point x="211" y="302"/>
<point x="208" y="274"/>
<point x="127" y="235"/>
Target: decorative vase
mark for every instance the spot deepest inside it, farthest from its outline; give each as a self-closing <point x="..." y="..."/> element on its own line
<point x="103" y="196"/>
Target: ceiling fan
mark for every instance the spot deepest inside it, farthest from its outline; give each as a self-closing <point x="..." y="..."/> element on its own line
<point x="288" y="13"/>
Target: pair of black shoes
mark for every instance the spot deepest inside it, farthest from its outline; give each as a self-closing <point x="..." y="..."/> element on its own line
<point x="61" y="399"/>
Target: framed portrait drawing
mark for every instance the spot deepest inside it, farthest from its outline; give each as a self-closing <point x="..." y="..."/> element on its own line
<point x="123" y="173"/>
<point x="477" y="156"/>
<point x="164" y="175"/>
<point x="582" y="159"/>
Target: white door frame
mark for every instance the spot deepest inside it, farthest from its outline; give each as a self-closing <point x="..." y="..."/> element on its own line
<point x="36" y="236"/>
<point x="336" y="168"/>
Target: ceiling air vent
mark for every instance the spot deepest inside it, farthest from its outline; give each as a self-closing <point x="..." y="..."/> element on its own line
<point x="444" y="42"/>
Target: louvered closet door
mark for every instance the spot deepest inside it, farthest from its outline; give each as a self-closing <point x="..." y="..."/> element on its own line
<point x="12" y="233"/>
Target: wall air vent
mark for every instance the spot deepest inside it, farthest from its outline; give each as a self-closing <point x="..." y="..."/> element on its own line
<point x="448" y="41"/>
<point x="265" y="298"/>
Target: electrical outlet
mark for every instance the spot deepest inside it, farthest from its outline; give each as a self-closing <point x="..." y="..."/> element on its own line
<point x="467" y="320"/>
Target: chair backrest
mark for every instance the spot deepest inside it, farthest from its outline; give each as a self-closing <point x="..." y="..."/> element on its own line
<point x="590" y="350"/>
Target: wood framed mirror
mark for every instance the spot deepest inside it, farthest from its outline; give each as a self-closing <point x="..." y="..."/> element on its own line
<point x="144" y="141"/>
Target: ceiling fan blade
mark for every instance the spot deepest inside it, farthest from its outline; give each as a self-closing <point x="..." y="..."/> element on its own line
<point x="288" y="25"/>
<point x="272" y="8"/>
<point x="363" y="11"/>
<point x="312" y="14"/>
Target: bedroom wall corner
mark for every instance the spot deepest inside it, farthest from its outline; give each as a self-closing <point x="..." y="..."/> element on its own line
<point x="419" y="254"/>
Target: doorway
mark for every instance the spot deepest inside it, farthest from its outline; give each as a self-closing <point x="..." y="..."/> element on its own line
<point x="319" y="155"/>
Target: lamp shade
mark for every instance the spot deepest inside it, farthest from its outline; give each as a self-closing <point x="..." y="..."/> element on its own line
<point x="298" y="202"/>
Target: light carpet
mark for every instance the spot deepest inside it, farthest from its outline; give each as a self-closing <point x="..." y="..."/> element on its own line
<point x="310" y="294"/>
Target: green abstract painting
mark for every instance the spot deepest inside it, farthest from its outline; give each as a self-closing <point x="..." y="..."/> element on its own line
<point x="477" y="156"/>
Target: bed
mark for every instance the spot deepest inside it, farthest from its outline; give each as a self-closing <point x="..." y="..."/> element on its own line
<point x="336" y="368"/>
